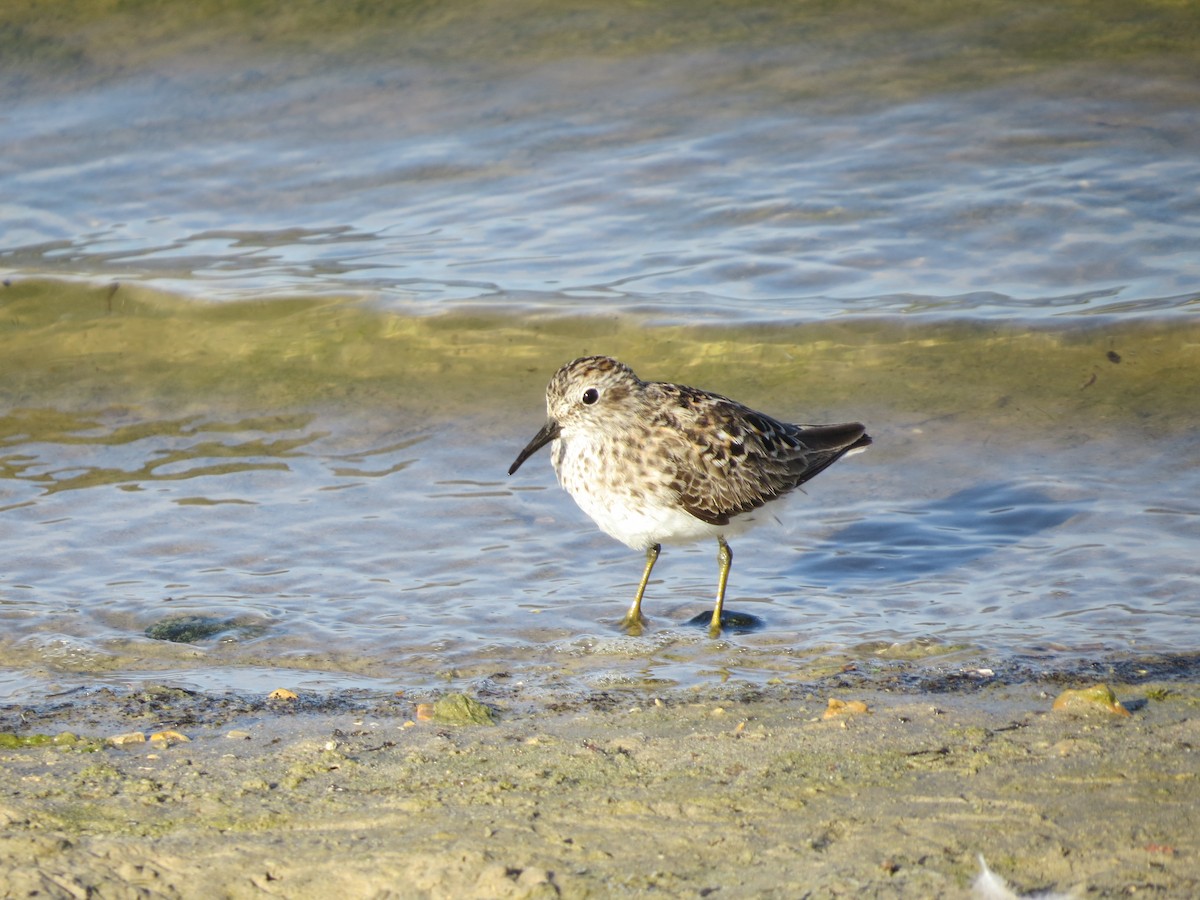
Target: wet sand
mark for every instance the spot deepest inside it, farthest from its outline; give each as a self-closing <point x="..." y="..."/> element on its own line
<point x="684" y="795"/>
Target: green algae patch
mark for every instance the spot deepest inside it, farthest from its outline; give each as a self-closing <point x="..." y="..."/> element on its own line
<point x="187" y="629"/>
<point x="10" y="741"/>
<point x="459" y="709"/>
<point x="66" y="740"/>
<point x="958" y="45"/>
<point x="190" y="629"/>
<point x="83" y="366"/>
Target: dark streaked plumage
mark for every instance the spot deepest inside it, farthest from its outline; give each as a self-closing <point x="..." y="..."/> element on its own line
<point x="654" y="463"/>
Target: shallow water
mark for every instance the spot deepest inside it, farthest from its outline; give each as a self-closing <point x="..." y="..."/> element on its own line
<point x="762" y="162"/>
<point x="279" y="317"/>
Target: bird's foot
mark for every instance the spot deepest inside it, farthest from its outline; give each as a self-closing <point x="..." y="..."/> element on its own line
<point x="633" y="624"/>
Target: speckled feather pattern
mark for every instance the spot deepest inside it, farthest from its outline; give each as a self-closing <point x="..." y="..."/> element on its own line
<point x="653" y="462"/>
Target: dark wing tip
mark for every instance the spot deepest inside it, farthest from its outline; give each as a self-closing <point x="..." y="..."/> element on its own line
<point x="829" y="438"/>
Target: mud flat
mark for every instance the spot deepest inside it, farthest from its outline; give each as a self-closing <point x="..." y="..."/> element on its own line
<point x="757" y="793"/>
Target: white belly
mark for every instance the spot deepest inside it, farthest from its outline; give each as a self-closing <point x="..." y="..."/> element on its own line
<point x="635" y="508"/>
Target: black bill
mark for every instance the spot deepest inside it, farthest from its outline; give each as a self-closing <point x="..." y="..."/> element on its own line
<point x="548" y="433"/>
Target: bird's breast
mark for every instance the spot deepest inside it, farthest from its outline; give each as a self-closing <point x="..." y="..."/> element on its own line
<point x="625" y="494"/>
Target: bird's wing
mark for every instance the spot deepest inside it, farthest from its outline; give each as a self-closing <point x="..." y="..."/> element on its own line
<point x="725" y="459"/>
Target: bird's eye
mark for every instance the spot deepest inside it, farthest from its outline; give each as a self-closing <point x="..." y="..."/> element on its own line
<point x="590" y="396"/>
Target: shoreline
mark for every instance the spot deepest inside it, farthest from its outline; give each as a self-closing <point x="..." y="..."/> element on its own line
<point x="626" y="795"/>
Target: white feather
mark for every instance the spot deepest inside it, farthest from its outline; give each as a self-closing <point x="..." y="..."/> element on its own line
<point x="990" y="886"/>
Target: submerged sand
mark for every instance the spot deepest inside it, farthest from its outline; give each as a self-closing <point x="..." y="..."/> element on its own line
<point x="675" y="796"/>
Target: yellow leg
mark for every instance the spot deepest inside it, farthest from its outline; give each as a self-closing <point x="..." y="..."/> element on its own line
<point x="633" y="621"/>
<point x="724" y="561"/>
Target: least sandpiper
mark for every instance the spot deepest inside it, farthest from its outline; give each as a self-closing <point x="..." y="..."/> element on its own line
<point x="654" y="463"/>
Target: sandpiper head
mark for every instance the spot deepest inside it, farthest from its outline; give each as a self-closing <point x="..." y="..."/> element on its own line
<point x="586" y="385"/>
<point x="580" y="395"/>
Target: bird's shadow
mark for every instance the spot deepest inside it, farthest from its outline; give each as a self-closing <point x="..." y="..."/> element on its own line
<point x="915" y="542"/>
<point x="732" y="621"/>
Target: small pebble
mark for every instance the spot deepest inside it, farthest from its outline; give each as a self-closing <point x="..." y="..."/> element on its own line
<point x="843" y="708"/>
<point x="1096" y="699"/>
<point x="169" y="737"/>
